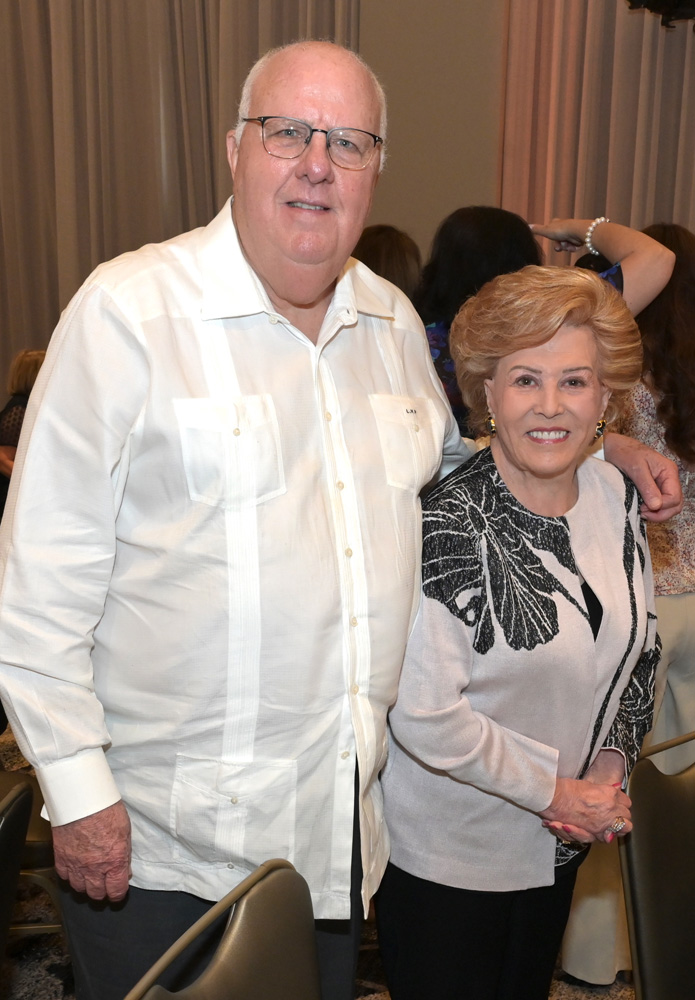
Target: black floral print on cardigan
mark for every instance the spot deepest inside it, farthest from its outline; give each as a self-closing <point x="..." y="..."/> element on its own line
<point x="471" y="509"/>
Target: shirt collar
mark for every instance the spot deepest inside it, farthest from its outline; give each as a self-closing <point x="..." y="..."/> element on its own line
<point x="230" y="287"/>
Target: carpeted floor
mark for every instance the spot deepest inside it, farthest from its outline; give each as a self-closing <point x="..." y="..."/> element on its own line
<point x="38" y="968"/>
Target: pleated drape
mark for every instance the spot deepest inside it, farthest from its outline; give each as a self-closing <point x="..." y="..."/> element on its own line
<point x="113" y="115"/>
<point x="599" y="113"/>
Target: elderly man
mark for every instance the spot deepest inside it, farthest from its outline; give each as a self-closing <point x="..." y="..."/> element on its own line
<point x="212" y="564"/>
<point x="212" y="550"/>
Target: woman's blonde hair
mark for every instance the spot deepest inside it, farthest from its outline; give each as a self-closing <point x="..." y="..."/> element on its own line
<point x="23" y="371"/>
<point x="525" y="309"/>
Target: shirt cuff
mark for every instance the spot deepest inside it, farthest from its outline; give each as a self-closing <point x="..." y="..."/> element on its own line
<point x="77" y="787"/>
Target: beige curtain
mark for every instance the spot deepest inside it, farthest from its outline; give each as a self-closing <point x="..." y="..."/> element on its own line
<point x="113" y="115"/>
<point x="599" y="114"/>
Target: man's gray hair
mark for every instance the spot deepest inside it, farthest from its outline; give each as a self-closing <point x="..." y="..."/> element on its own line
<point x="259" y="66"/>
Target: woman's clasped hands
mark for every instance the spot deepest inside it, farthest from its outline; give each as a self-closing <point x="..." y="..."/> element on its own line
<point x="583" y="811"/>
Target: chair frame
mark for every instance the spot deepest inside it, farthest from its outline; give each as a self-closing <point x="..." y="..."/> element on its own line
<point x="630" y="875"/>
<point x="146" y="987"/>
<point x="44" y="877"/>
<point x="15" y="812"/>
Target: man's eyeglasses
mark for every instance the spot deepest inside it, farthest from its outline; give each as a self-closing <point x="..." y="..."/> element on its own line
<point x="351" y="148"/>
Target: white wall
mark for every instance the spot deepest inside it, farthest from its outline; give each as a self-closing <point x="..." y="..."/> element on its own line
<point x="441" y="63"/>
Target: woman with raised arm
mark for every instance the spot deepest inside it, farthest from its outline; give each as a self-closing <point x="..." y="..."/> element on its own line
<point x="476" y="243"/>
<point x="23" y="371"/>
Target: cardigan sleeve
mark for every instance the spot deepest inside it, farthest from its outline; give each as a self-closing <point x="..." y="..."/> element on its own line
<point x="634" y="717"/>
<point x="434" y="721"/>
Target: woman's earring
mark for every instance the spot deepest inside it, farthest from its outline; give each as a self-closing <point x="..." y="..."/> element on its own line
<point x="600" y="428"/>
<point x="491" y="425"/>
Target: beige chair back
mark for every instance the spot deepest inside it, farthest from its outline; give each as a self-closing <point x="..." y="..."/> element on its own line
<point x="658" y="864"/>
<point x="15" y="810"/>
<point x="267" y="952"/>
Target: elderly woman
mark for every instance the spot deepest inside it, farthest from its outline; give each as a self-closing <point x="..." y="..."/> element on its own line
<point x="528" y="679"/>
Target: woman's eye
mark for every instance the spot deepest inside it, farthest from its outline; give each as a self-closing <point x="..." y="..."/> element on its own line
<point x="575" y="383"/>
<point x="524" y="380"/>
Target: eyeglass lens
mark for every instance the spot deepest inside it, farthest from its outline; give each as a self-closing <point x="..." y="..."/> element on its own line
<point x="347" y="147"/>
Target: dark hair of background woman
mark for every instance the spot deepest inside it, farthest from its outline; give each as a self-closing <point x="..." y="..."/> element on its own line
<point x="391" y="253"/>
<point x="471" y="246"/>
<point x="667" y="326"/>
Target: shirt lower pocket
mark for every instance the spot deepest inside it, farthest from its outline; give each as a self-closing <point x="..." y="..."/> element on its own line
<point x="236" y="813"/>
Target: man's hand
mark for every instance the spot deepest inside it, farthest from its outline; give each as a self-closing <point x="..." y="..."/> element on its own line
<point x="654" y="475"/>
<point x="584" y="811"/>
<point x="93" y="853"/>
<point x="608" y="768"/>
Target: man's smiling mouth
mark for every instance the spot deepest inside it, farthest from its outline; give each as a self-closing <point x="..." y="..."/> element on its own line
<point x="306" y="204"/>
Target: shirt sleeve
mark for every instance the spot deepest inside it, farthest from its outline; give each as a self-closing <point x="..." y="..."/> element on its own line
<point x="434" y="719"/>
<point x="57" y="548"/>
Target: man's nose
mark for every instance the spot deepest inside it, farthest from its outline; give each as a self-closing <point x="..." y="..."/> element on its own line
<point x="315" y="161"/>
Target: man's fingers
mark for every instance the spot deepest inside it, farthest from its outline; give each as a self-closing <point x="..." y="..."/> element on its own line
<point x="94" y="887"/>
<point x="93" y="853"/>
<point x="117" y="883"/>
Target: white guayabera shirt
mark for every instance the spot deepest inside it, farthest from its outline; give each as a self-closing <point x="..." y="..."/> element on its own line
<point x="211" y="559"/>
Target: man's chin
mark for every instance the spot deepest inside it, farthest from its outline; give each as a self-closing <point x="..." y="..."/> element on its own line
<point x="313" y="251"/>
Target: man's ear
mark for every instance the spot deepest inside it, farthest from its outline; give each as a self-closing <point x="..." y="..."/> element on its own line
<point x="232" y="151"/>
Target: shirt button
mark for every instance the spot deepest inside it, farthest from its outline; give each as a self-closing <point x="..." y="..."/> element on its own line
<point x="273" y="320"/>
<point x="355" y="689"/>
<point x="340" y="485"/>
<point x="234" y="800"/>
<point x="353" y="620"/>
<point x="416" y="428"/>
<point x="236" y="432"/>
<point x="328" y="416"/>
<point x="348" y="552"/>
<point x="230" y="865"/>
<point x="345" y="754"/>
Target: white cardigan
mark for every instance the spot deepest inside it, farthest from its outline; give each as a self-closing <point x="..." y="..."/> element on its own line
<point x="503" y="685"/>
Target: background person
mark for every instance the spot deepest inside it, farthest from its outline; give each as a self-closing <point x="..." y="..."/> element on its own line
<point x="471" y="247"/>
<point x="660" y="412"/>
<point x="23" y="371"/>
<point x="392" y="254"/>
<point x="527" y="684"/>
<point x="641" y="265"/>
<point x="476" y="243"/>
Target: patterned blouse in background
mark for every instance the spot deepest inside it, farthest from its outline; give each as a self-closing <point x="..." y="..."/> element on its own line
<point x="438" y="339"/>
<point x="672" y="544"/>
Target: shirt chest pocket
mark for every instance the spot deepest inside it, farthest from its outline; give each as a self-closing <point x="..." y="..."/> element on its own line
<point x="231" y="451"/>
<point x="411" y="436"/>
